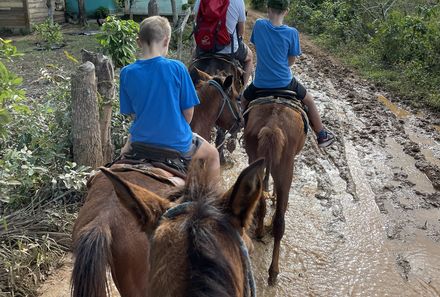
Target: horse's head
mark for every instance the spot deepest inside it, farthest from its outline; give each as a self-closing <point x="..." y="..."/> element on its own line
<point x="199" y="245"/>
<point x="218" y="102"/>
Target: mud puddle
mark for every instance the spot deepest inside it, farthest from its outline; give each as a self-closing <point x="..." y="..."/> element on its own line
<point x="363" y="216"/>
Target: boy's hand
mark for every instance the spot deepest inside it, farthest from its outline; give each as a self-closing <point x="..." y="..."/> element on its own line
<point x="292" y="60"/>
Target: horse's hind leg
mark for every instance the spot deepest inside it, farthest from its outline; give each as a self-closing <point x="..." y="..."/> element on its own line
<point x="262" y="205"/>
<point x="282" y="184"/>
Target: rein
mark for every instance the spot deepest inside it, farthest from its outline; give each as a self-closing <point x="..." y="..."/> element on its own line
<point x="250" y="287"/>
<point x="226" y="100"/>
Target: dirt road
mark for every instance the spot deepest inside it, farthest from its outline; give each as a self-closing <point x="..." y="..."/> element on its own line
<point x="364" y="216"/>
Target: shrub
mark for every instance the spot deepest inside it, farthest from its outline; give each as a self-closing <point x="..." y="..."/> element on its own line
<point x="102" y="12"/>
<point x="10" y="92"/>
<point x="49" y="33"/>
<point x="118" y="39"/>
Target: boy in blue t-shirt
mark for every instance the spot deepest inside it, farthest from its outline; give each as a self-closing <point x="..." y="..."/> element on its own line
<point x="277" y="47"/>
<point x="161" y="96"/>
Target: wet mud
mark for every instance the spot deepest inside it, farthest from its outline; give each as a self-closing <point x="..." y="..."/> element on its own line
<point x="363" y="216"/>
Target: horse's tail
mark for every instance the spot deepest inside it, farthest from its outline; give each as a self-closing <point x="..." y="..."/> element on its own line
<point x="271" y="141"/>
<point x="92" y="257"/>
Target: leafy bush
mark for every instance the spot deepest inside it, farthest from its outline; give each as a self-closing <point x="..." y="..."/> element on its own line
<point x="102" y="12"/>
<point x="258" y="4"/>
<point x="387" y="37"/>
<point x="49" y="33"/>
<point x="10" y="92"/>
<point x="118" y="39"/>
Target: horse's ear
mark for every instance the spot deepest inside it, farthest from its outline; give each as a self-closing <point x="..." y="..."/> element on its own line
<point x="227" y="83"/>
<point x="199" y="75"/>
<point x="146" y="206"/>
<point x="243" y="197"/>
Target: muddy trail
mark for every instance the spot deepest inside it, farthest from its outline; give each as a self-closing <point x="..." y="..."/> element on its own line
<point x="363" y="216"/>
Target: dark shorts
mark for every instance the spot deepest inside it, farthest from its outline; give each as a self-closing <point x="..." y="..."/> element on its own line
<point x="195" y="145"/>
<point x="239" y="55"/>
<point x="251" y="91"/>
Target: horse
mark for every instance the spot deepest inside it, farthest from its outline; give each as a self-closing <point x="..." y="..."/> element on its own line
<point x="277" y="133"/>
<point x="199" y="246"/>
<point x="218" y="106"/>
<point x="107" y="235"/>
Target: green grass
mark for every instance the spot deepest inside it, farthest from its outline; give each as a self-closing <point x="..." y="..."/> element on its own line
<point x="417" y="87"/>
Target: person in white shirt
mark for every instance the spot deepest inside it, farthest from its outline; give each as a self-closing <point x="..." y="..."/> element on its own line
<point x="235" y="23"/>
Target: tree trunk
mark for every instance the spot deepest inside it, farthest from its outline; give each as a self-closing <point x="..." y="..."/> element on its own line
<point x="153" y="8"/>
<point x="174" y="9"/>
<point x="87" y="149"/>
<point x="49" y="10"/>
<point x="106" y="89"/>
<point x="82" y="12"/>
<point x="130" y="9"/>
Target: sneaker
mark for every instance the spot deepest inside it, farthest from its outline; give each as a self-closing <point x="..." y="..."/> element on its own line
<point x="325" y="138"/>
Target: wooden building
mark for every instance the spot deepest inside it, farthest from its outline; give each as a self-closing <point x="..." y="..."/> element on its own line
<point x="22" y="14"/>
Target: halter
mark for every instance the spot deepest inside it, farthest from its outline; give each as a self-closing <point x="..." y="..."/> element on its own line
<point x="226" y="100"/>
<point x="250" y="288"/>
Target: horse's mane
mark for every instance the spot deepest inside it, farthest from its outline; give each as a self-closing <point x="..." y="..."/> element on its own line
<point x="210" y="273"/>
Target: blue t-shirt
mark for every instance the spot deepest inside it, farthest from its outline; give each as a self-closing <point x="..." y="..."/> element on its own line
<point x="274" y="44"/>
<point x="156" y="91"/>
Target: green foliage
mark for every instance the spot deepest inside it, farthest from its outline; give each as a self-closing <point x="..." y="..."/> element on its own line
<point x="118" y="39"/>
<point x="10" y="92"/>
<point x="49" y="33"/>
<point x="402" y="38"/>
<point x="259" y="4"/>
<point x="102" y="12"/>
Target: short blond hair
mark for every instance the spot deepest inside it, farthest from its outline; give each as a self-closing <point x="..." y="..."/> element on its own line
<point x="154" y="29"/>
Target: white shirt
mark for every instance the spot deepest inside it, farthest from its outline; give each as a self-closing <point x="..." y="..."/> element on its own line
<point x="236" y="14"/>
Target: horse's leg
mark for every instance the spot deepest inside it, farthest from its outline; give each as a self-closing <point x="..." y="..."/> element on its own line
<point x="219" y="139"/>
<point x="282" y="182"/>
<point x="262" y="206"/>
<point x="130" y="260"/>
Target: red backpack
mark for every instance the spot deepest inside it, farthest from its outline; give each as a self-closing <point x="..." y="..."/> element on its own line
<point x="211" y="33"/>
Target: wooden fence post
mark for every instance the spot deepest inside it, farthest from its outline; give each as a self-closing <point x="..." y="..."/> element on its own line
<point x="105" y="76"/>
<point x="87" y="148"/>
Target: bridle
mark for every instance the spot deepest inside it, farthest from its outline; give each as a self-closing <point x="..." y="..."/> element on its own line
<point x="249" y="285"/>
<point x="226" y="101"/>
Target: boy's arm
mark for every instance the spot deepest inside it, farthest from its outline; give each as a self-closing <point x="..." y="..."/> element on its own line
<point x="291" y="60"/>
<point x="240" y="29"/>
<point x="188" y="114"/>
<point x="241" y="18"/>
<point x="188" y="95"/>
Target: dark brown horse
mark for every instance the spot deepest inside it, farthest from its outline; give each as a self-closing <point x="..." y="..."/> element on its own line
<point x="274" y="132"/>
<point x="198" y="246"/>
<point x="190" y="254"/>
<point x="218" y="107"/>
<point x="107" y="235"/>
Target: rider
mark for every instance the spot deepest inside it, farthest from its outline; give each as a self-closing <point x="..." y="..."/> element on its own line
<point x="277" y="47"/>
<point x="235" y="23"/>
<point x="160" y="94"/>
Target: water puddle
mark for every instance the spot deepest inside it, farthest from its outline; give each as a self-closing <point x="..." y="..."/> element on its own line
<point x="398" y="112"/>
<point x="405" y="164"/>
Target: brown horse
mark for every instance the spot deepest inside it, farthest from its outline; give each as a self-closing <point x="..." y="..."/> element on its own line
<point x="107" y="235"/>
<point x="197" y="248"/>
<point x="276" y="133"/>
<point x="218" y="102"/>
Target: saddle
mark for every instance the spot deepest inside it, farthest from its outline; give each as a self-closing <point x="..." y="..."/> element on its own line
<point x="166" y="158"/>
<point x="165" y="165"/>
<point x="283" y="97"/>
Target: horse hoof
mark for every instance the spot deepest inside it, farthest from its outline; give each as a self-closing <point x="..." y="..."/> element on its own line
<point x="272" y="280"/>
